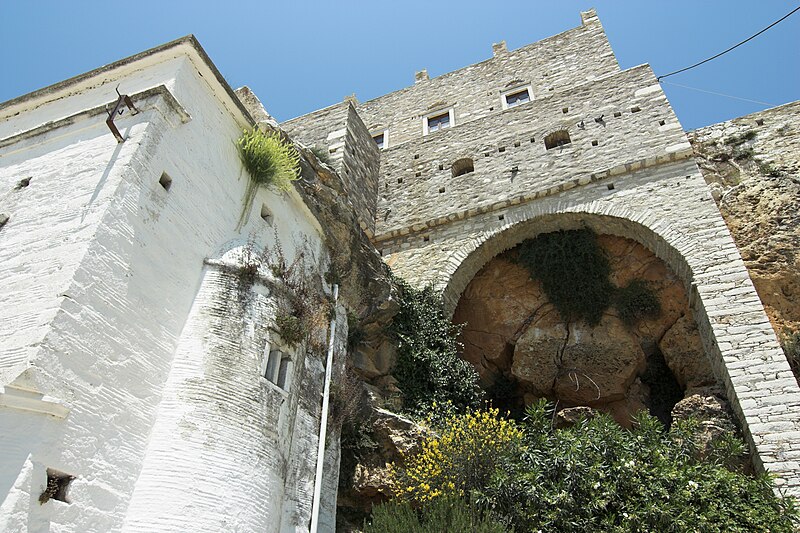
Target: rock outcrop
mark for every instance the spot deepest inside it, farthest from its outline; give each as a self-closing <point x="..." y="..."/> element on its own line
<point x="514" y="333"/>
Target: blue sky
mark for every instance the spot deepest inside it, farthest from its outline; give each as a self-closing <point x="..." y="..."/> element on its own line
<point x="301" y="56"/>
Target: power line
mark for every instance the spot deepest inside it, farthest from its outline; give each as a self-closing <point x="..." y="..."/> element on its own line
<point x="719" y="94"/>
<point x="732" y="47"/>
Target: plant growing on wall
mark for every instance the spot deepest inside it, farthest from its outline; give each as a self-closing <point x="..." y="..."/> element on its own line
<point x="429" y="370"/>
<point x="270" y="160"/>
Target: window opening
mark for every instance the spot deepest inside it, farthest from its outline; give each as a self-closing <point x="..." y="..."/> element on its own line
<point x="283" y="371"/>
<point x="379" y="140"/>
<point x="519" y="97"/>
<point x="439" y="122"/>
<point x="57" y="486"/>
<point x="557" y="139"/>
<point x="266" y="214"/>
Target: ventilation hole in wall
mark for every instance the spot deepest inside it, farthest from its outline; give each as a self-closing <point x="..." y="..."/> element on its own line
<point x="426" y="239"/>
<point x="3" y="219"/>
<point x="635" y="109"/>
<point x="266" y="214"/>
<point x="501" y="217"/>
<point x="760" y="121"/>
<point x="501" y="149"/>
<point x="516" y="144"/>
<point x="617" y="114"/>
<point x="441" y="167"/>
<point x="416" y="156"/>
<point x="610" y="186"/>
<point x="661" y="122"/>
<point x="57" y="486"/>
<point x="462" y="166"/>
<point x="564" y="110"/>
<point x="556" y="139"/>
<point x="400" y="180"/>
<point x="418" y="174"/>
<point x="594" y="143"/>
<point x="24" y="182"/>
<point x="165" y="181"/>
<point x="441" y="190"/>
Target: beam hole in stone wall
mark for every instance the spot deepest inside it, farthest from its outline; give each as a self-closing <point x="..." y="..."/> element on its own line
<point x="557" y="139"/>
<point x="441" y="190"/>
<point x="759" y="121"/>
<point x="57" y="487"/>
<point x="533" y="139"/>
<point x="662" y="122"/>
<point x="501" y="149"/>
<point x="3" y="219"/>
<point x="594" y="143"/>
<point x="462" y="166"/>
<point x="565" y="110"/>
<point x="165" y="181"/>
<point x="610" y="186"/>
<point x="21" y="184"/>
<point x="501" y="217"/>
<point x="516" y="144"/>
<point x="426" y="239"/>
<point x="400" y="180"/>
<point x="417" y="174"/>
<point x="635" y="109"/>
<point x="266" y="214"/>
<point x="617" y="114"/>
<point x="416" y="156"/>
<point x="441" y="167"/>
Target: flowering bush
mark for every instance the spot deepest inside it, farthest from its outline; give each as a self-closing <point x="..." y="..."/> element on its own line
<point x="461" y="457"/>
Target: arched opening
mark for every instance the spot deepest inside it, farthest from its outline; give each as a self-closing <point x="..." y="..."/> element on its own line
<point x="463" y="166"/>
<point x="557" y="139"/>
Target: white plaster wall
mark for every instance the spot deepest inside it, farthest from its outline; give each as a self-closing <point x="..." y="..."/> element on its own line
<point x="99" y="269"/>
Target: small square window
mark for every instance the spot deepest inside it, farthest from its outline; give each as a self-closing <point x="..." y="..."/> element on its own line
<point x="278" y="368"/>
<point x="379" y="140"/>
<point x="516" y="98"/>
<point x="438" y="122"/>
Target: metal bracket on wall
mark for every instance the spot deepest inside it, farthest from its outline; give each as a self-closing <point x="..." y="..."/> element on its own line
<point x="123" y="99"/>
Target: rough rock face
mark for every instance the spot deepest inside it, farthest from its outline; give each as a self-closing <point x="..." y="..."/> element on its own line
<point x="513" y="331"/>
<point x="752" y="164"/>
<point x="394" y="436"/>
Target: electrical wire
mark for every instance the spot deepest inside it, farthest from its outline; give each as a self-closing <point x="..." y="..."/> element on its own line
<point x="719" y="94"/>
<point x="659" y="78"/>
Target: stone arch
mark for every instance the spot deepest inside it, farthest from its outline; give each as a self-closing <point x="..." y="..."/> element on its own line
<point x="476" y="253"/>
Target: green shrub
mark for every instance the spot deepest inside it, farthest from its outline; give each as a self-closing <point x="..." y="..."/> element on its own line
<point x="573" y="270"/>
<point x="290" y="328"/>
<point x="449" y="515"/>
<point x="738" y="140"/>
<point x="597" y="476"/>
<point x="322" y="154"/>
<point x="428" y="368"/>
<point x="636" y="301"/>
<point x="269" y="159"/>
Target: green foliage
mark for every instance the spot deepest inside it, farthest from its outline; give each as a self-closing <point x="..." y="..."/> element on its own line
<point x="269" y="159"/>
<point x="636" y="301"/>
<point x="291" y="328"/>
<point x="767" y="169"/>
<point x="428" y="368"/>
<point x="597" y="476"/>
<point x="322" y="154"/>
<point x="573" y="270"/>
<point x="790" y="341"/>
<point x="738" y="140"/>
<point x="452" y="515"/>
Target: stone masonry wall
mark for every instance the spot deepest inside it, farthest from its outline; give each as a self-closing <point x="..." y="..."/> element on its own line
<point x="353" y="154"/>
<point x="510" y="159"/>
<point x="549" y="66"/>
<point x="667" y="207"/>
